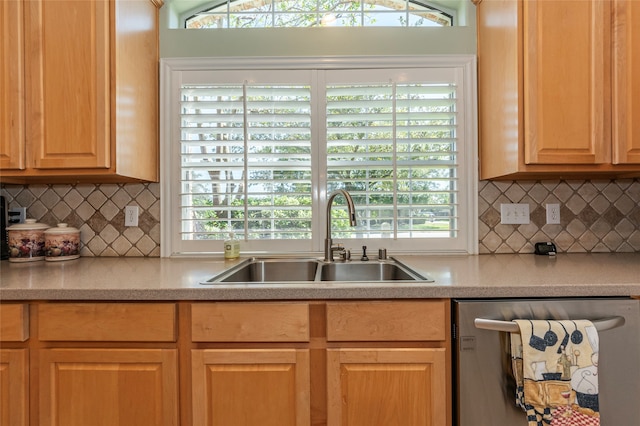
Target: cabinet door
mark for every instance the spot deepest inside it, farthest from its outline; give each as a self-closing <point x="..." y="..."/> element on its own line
<point x="248" y="387"/>
<point x="626" y="84"/>
<point x="68" y="97"/>
<point x="12" y="125"/>
<point x="14" y="385"/>
<point x="387" y="387"/>
<point x="567" y="81"/>
<point x="108" y="387"/>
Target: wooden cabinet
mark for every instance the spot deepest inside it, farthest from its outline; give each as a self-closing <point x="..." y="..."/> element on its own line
<point x="377" y="384"/>
<point x="244" y="387"/>
<point x="95" y="368"/>
<point x="244" y="384"/>
<point x="12" y="97"/>
<point x="83" y="98"/>
<point x="545" y="107"/>
<point x="108" y="387"/>
<point x="387" y="386"/>
<point x="342" y="363"/>
<point x="626" y="84"/>
<point x="14" y="364"/>
<point x="293" y="363"/>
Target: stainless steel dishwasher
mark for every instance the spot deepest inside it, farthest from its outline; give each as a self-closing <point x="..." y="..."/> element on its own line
<point x="484" y="385"/>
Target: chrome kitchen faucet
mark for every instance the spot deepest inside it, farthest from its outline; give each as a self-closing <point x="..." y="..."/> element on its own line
<point x="329" y="248"/>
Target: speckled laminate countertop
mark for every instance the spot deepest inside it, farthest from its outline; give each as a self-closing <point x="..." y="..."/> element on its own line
<point x="456" y="276"/>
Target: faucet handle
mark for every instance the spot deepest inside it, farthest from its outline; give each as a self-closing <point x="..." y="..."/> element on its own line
<point x="345" y="255"/>
<point x="364" y="257"/>
<point x="382" y="254"/>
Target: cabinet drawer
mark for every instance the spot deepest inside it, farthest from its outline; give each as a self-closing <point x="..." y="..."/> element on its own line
<point x="387" y="321"/>
<point x="250" y="322"/>
<point x="14" y="322"/>
<point x="115" y="322"/>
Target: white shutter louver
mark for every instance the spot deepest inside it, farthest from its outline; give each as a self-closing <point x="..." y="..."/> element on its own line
<point x="246" y="161"/>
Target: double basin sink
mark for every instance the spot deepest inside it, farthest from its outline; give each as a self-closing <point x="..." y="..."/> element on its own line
<point x="289" y="270"/>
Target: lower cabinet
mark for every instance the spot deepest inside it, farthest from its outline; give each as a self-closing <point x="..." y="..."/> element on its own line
<point x="108" y="387"/>
<point x="265" y="387"/>
<point x="388" y="363"/>
<point x="382" y="387"/>
<point x="335" y="363"/>
<point x="106" y="364"/>
<point x="14" y="364"/>
<point x="291" y="363"/>
<point x="14" y="387"/>
<point x="253" y="368"/>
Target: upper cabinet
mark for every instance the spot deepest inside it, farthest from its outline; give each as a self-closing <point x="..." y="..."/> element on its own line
<point x="626" y="90"/>
<point x="12" y="127"/>
<point x="555" y="88"/>
<point x="80" y="98"/>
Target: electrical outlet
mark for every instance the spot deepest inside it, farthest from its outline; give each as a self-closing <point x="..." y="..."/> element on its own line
<point x="515" y="214"/>
<point x="553" y="214"/>
<point x="131" y="216"/>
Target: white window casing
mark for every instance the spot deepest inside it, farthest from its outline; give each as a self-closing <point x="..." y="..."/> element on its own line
<point x="255" y="145"/>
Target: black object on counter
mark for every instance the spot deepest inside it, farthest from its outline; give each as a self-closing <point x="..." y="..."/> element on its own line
<point x="547" y="249"/>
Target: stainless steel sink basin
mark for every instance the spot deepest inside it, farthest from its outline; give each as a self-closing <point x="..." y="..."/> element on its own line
<point x="296" y="270"/>
<point x="269" y="270"/>
<point x="368" y="271"/>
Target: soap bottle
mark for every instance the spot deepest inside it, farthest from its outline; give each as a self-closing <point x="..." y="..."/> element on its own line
<point x="231" y="247"/>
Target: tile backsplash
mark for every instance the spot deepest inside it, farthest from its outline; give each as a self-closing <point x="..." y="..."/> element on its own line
<point x="98" y="211"/>
<point x="596" y="216"/>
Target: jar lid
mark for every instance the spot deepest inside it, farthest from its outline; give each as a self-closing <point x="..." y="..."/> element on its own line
<point x="61" y="228"/>
<point x="28" y="225"/>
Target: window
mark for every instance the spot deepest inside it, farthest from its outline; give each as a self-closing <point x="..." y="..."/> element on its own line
<point x="314" y="13"/>
<point x="256" y="146"/>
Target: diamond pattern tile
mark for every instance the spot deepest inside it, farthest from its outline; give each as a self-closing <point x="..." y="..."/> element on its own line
<point x="596" y="216"/>
<point x="97" y="211"/>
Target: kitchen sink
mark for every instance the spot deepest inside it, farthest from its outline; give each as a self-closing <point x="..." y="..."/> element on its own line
<point x="269" y="270"/>
<point x="297" y="270"/>
<point x="368" y="271"/>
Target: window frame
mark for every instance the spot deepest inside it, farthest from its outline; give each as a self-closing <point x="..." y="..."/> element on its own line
<point x="170" y="71"/>
<point x="450" y="13"/>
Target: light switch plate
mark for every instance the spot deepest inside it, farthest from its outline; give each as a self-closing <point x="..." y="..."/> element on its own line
<point x="514" y="214"/>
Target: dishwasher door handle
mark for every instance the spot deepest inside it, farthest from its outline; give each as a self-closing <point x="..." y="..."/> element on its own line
<point x="511" y="327"/>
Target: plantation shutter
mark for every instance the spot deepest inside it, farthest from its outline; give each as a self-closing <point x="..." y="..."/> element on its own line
<point x="257" y="151"/>
<point x="393" y="145"/>
<point x="246" y="161"/>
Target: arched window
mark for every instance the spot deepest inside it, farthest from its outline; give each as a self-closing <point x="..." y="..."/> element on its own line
<point x="319" y="13"/>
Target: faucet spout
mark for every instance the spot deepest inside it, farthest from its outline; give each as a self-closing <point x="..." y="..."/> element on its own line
<point x="328" y="242"/>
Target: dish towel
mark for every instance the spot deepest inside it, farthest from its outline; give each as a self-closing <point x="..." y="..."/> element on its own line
<point x="555" y="364"/>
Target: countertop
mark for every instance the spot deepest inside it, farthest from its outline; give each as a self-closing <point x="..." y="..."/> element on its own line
<point x="455" y="276"/>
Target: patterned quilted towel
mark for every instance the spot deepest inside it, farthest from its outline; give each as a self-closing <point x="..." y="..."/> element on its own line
<point x="555" y="364"/>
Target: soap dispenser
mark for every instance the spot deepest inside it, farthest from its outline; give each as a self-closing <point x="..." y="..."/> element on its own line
<point x="231" y="247"/>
